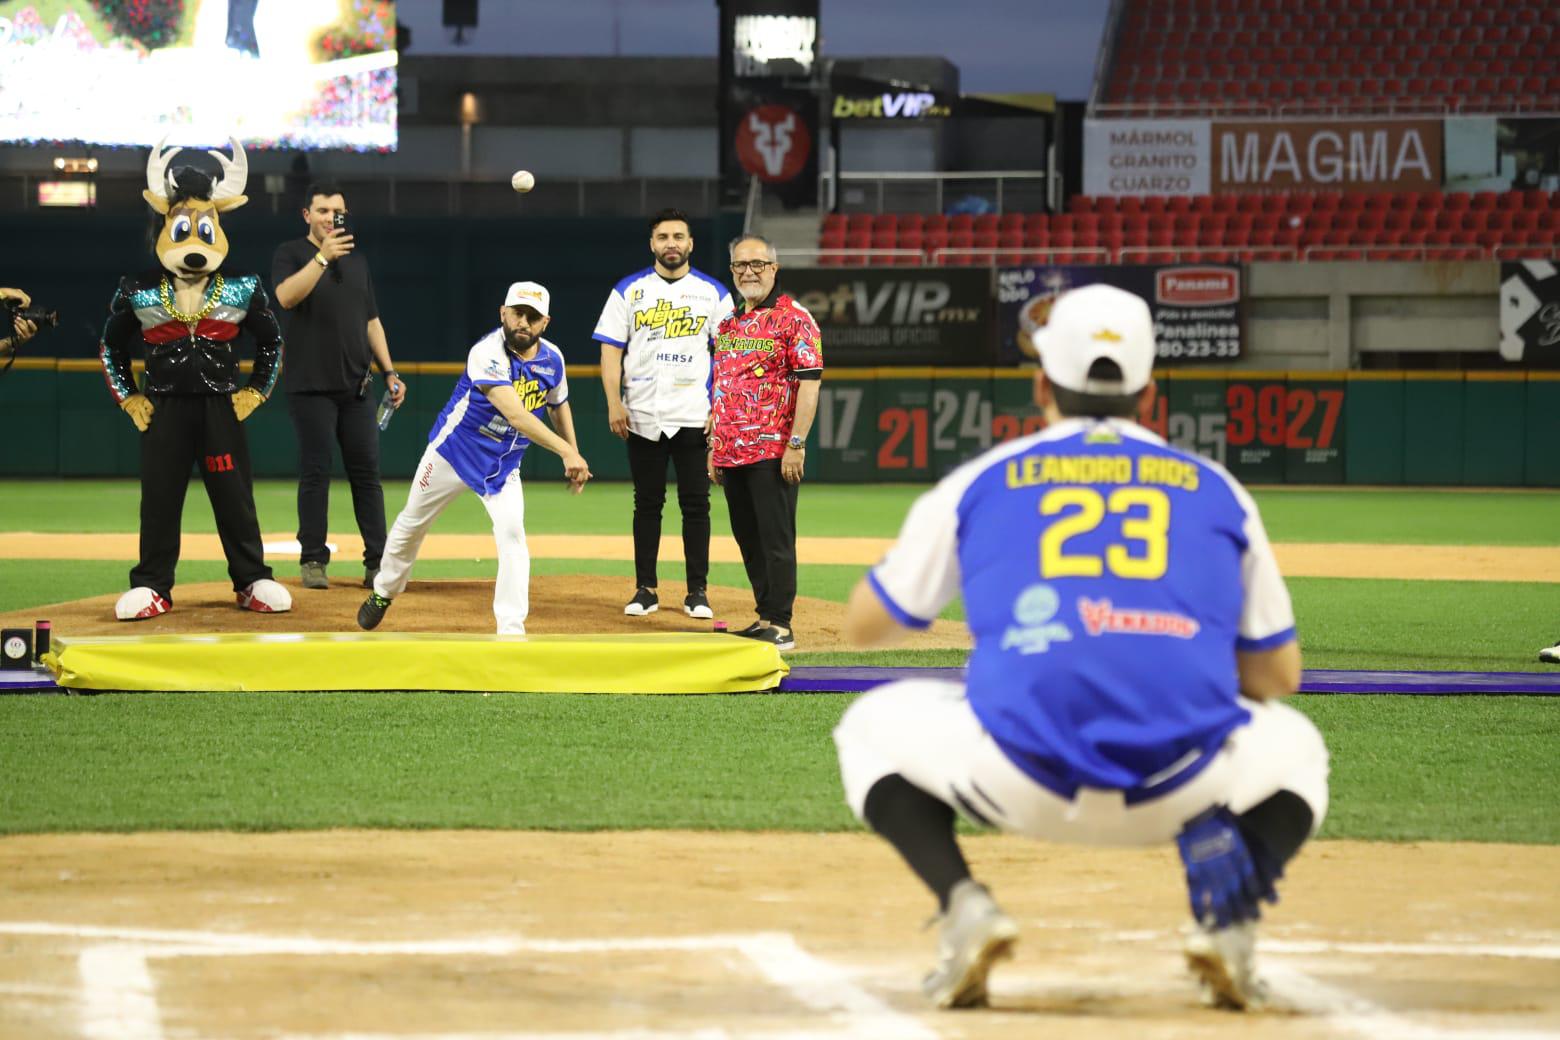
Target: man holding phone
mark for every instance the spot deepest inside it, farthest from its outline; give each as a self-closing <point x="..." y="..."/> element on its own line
<point x="333" y="334"/>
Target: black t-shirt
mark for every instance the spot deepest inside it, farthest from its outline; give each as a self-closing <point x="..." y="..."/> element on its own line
<point x="327" y="332"/>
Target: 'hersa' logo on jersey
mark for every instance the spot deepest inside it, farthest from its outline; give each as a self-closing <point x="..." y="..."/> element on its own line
<point x="673" y="321"/>
<point x="532" y="394"/>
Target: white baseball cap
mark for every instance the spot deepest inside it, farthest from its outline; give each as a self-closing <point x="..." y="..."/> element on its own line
<point x="528" y="294"/>
<point x="1095" y="322"/>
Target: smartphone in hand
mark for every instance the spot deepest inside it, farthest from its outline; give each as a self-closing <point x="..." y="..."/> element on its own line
<point x="340" y="224"/>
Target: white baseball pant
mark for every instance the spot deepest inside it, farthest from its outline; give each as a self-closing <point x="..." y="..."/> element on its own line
<point x="434" y="486"/>
<point x="925" y="730"/>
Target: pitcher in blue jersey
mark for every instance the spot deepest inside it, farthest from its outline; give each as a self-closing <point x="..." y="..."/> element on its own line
<point x="1132" y="638"/>
<point x="513" y="376"/>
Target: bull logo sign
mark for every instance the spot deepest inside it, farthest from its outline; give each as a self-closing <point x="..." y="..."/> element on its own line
<point x="773" y="143"/>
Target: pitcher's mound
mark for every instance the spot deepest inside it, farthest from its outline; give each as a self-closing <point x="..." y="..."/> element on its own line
<point x="560" y="603"/>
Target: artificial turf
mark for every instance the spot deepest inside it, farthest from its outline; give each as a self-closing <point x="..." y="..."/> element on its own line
<point x="1404" y="768"/>
<point x="1414" y="517"/>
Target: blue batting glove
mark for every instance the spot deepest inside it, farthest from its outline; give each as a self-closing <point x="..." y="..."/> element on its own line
<point x="1225" y="885"/>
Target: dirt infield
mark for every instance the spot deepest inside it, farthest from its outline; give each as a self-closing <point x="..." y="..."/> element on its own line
<point x="662" y="935"/>
<point x="571" y="603"/>
<point x="1297" y="559"/>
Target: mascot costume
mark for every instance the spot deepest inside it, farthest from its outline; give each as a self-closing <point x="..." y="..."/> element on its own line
<point x="186" y="317"/>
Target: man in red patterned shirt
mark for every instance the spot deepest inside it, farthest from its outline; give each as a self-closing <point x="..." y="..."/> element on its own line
<point x="764" y="392"/>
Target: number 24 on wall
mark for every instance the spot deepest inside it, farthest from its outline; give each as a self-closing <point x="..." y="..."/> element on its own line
<point x="1080" y="510"/>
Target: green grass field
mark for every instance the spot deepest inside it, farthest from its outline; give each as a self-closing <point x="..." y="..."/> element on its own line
<point x="1405" y="768"/>
<point x="875" y="510"/>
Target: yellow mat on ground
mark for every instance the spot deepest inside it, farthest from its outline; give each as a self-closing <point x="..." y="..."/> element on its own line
<point x="671" y="662"/>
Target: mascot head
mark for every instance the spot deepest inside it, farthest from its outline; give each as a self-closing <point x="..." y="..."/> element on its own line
<point x="189" y="239"/>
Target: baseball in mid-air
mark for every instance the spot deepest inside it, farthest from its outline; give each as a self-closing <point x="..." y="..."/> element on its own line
<point x="522" y="181"/>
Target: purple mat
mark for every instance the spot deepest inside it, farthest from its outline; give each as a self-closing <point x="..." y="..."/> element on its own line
<point x="31" y="680"/>
<point x="1313" y="680"/>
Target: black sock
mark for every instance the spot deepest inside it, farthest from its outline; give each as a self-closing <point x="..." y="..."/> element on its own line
<point x="921" y="828"/>
<point x="1278" y="825"/>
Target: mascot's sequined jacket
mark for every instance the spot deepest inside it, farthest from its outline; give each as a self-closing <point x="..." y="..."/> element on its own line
<point x="194" y="358"/>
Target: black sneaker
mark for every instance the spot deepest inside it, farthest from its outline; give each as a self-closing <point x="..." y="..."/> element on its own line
<point x="781" y="639"/>
<point x="372" y="612"/>
<point x="369" y="574"/>
<point x="644" y="602"/>
<point x="697" y="605"/>
<point x="746" y="632"/>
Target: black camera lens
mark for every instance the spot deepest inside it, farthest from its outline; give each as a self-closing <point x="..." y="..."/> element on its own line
<point x="40" y="317"/>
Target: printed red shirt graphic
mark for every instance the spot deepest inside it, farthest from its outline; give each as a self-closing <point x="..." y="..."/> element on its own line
<point x="757" y="356"/>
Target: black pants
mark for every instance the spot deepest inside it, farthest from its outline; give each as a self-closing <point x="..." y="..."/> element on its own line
<point x="763" y="521"/>
<point x="647" y="461"/>
<point x="201" y="431"/>
<point x="323" y="420"/>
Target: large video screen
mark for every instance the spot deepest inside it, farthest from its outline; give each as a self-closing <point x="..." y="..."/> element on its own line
<point x="304" y="74"/>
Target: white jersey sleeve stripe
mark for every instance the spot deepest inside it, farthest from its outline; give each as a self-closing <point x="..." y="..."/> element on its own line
<point x="919" y="575"/>
<point x="1267" y="617"/>
<point x="895" y="611"/>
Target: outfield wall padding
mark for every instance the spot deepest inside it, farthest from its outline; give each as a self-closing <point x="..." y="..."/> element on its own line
<point x="912" y="425"/>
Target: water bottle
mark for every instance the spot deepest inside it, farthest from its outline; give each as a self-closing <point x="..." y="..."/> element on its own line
<point x="386" y="411"/>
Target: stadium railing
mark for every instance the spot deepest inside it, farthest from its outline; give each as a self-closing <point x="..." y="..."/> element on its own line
<point x="913" y="192"/>
<point x="1378" y="107"/>
<point x="416" y="196"/>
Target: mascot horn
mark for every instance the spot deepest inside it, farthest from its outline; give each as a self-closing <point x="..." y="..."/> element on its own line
<point x="185" y="317"/>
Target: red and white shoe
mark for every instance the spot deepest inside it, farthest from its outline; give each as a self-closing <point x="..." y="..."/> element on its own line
<point x="139" y="604"/>
<point x="265" y="597"/>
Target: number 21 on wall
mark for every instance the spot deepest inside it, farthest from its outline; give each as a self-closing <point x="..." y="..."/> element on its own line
<point x="1079" y="510"/>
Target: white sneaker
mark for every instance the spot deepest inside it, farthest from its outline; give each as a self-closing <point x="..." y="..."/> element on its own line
<point x="974" y="935"/>
<point x="1550" y="654"/>
<point x="1223" y="959"/>
<point x="265" y="597"/>
<point x="139" y="604"/>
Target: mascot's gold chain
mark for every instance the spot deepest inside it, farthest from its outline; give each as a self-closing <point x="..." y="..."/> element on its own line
<point x="164" y="290"/>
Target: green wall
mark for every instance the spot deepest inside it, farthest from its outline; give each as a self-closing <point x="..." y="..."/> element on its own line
<point x="439" y="283"/>
<point x="917" y="424"/>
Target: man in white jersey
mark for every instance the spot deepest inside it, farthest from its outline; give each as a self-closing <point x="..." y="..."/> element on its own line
<point x="512" y="377"/>
<point x="1132" y="638"/>
<point x="655" y="334"/>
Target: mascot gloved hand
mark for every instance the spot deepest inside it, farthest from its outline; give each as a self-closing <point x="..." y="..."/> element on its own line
<point x="246" y="401"/>
<point x="139" y="409"/>
<point x="185" y="316"/>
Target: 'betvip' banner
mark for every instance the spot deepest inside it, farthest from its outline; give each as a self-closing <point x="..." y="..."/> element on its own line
<point x="897" y="316"/>
<point x="1200" y="156"/>
<point x="1197" y="308"/>
<point x="1530" y="313"/>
